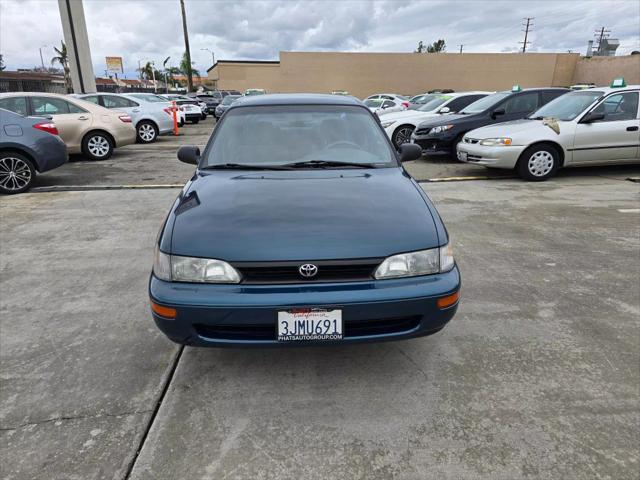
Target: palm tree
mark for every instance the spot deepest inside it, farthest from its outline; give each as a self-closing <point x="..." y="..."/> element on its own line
<point x="63" y="59"/>
<point x="184" y="67"/>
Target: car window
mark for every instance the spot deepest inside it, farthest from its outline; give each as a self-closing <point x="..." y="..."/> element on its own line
<point x="619" y="107"/>
<point x="217" y="95"/>
<point x="569" y="106"/>
<point x="485" y="103"/>
<point x="434" y="103"/>
<point x="111" y="101"/>
<point x="15" y="104"/>
<point x="49" y="105"/>
<point x="92" y="99"/>
<point x="373" y="102"/>
<point x="459" y="103"/>
<point x="548" y="95"/>
<point x="523" y="103"/>
<point x="388" y="104"/>
<point x="286" y="134"/>
<point x="386" y="97"/>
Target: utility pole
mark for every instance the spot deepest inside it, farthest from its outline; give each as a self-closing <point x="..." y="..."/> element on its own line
<point x="462" y="45"/>
<point x="527" y="26"/>
<point x="153" y="75"/>
<point x="601" y="34"/>
<point x="186" y="46"/>
<point x="42" y="59"/>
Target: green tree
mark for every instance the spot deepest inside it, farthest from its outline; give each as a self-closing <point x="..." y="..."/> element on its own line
<point x="437" y="47"/>
<point x="63" y="59"/>
<point x="421" y="48"/>
<point x="2" y="67"/>
<point x="184" y="67"/>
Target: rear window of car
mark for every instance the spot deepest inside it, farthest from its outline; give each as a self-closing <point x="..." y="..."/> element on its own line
<point x="485" y="103"/>
<point x="276" y="135"/>
<point x="15" y="104"/>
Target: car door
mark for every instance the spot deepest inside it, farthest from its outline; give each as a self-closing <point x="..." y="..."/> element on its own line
<point x="458" y="103"/>
<point x="16" y="105"/>
<point x="613" y="139"/>
<point x="519" y="106"/>
<point x="389" y="106"/>
<point x="71" y="120"/>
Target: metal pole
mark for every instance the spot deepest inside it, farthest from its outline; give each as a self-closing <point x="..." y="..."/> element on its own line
<point x="153" y="75"/>
<point x="41" y="59"/>
<point x="187" y="50"/>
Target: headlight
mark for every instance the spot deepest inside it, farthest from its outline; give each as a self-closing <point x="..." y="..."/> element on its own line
<point x="423" y="262"/>
<point x="387" y="124"/>
<point x="190" y="269"/>
<point x="492" y="142"/>
<point x="441" y="128"/>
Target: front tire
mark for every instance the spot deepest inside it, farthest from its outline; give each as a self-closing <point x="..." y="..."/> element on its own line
<point x="17" y="173"/>
<point x="402" y="135"/>
<point x="97" y="146"/>
<point x="147" y="132"/>
<point x="538" y="163"/>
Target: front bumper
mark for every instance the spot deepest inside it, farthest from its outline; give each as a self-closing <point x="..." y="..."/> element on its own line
<point x="193" y="116"/>
<point x="372" y="311"/>
<point x="495" y="157"/>
<point x="435" y="145"/>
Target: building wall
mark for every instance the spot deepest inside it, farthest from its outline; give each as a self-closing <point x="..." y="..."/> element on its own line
<point x="362" y="74"/>
<point x="601" y="70"/>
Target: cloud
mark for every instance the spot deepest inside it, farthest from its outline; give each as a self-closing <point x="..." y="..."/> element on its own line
<point x="152" y="30"/>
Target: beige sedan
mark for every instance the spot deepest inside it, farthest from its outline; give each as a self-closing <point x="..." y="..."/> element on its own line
<point x="84" y="127"/>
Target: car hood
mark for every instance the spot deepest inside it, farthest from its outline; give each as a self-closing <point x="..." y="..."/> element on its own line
<point x="449" y="118"/>
<point x="514" y="127"/>
<point x="302" y="215"/>
<point x="408" y="116"/>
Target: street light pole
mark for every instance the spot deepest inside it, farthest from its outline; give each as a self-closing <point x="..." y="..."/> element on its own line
<point x="213" y="58"/>
<point x="41" y="58"/>
<point x="153" y="75"/>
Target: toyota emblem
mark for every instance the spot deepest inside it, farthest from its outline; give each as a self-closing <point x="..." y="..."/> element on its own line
<point x="308" y="270"/>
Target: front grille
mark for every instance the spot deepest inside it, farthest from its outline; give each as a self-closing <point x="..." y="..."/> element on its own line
<point x="473" y="141"/>
<point x="422" y="131"/>
<point x="267" y="331"/>
<point x="288" y="272"/>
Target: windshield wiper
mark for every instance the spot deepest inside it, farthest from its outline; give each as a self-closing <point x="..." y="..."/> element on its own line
<point x="244" y="166"/>
<point x="535" y="118"/>
<point x="328" y="164"/>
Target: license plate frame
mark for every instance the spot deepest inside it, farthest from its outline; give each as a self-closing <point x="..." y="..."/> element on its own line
<point x="309" y="325"/>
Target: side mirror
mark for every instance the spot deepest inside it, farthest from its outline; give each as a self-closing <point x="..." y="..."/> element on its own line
<point x="444" y="110"/>
<point x="592" y="117"/>
<point x="497" y="111"/>
<point x="189" y="154"/>
<point x="410" y="151"/>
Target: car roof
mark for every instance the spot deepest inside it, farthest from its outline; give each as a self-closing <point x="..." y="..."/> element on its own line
<point x="607" y="90"/>
<point x="297" y="99"/>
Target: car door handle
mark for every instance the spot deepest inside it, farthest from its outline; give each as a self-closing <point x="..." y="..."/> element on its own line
<point x="632" y="129"/>
<point x="83" y="118"/>
<point x="135" y="110"/>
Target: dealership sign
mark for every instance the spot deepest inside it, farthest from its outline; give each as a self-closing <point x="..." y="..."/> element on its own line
<point x="114" y="64"/>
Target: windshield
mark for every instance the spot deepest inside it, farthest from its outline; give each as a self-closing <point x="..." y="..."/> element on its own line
<point x="568" y="106"/>
<point x="422" y="99"/>
<point x="150" y="97"/>
<point x="229" y="99"/>
<point x="277" y="135"/>
<point x="433" y="104"/>
<point x="374" y="102"/>
<point x="485" y="102"/>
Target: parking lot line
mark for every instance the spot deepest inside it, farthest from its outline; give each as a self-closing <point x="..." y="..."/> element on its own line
<point x="464" y="179"/>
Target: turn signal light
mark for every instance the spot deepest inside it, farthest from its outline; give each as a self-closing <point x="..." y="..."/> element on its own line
<point x="449" y="300"/>
<point x="165" y="312"/>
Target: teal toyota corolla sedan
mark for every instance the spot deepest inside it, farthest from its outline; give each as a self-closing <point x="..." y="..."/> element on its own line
<point x="299" y="227"/>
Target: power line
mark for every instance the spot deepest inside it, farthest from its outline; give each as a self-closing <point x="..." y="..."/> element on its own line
<point x="527" y="26"/>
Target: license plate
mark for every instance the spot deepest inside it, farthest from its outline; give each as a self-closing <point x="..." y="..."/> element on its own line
<point x="303" y="324"/>
<point x="462" y="156"/>
<point x="188" y="109"/>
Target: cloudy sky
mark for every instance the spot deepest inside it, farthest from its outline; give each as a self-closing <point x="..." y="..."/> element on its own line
<point x="238" y="30"/>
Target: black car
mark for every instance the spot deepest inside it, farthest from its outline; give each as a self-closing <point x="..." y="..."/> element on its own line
<point x="214" y="98"/>
<point x="439" y="136"/>
<point x="28" y="145"/>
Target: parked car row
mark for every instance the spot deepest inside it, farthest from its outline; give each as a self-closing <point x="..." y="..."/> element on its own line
<point x="89" y="124"/>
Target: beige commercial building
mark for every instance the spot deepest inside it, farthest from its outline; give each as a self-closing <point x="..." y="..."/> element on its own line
<point x="362" y="74"/>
